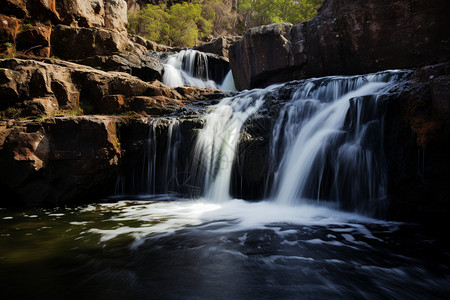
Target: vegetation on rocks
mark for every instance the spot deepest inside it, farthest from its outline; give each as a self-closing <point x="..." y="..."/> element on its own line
<point x="185" y="24"/>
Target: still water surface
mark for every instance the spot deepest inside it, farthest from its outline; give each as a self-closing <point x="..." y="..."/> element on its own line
<point x="163" y="248"/>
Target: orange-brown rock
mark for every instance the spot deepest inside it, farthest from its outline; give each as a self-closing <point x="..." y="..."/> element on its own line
<point x="34" y="40"/>
<point x="8" y="31"/>
<point x="74" y="86"/>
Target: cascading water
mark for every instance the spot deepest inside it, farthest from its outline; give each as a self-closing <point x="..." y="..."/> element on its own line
<point x="326" y="143"/>
<point x="190" y="67"/>
<point x="158" y="172"/>
<point x="215" y="148"/>
<point x="328" y="140"/>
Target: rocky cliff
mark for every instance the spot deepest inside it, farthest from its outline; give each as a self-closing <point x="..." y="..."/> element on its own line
<point x="350" y="37"/>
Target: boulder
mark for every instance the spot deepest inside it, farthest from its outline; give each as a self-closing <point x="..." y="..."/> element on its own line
<point x="219" y="46"/>
<point x="344" y="38"/>
<point x="78" y="43"/>
<point x="40" y="166"/>
<point x="263" y="56"/>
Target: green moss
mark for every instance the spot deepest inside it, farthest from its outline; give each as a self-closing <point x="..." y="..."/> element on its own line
<point x="10" y="113"/>
<point x="24" y="27"/>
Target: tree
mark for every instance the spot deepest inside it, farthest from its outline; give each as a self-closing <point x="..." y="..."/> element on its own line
<point x="262" y="12"/>
<point x="180" y="25"/>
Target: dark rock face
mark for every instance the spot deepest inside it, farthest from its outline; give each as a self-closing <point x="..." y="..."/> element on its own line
<point x="219" y="46"/>
<point x="416" y="146"/>
<point x="34" y="40"/>
<point x="40" y="165"/>
<point x="417" y="143"/>
<point x="354" y="37"/>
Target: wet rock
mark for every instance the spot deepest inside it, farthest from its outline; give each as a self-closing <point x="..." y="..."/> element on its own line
<point x="344" y="38"/>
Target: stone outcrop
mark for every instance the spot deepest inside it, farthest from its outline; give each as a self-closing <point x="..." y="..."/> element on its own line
<point x="26" y="27"/>
<point x="34" y="40"/>
<point x="219" y="46"/>
<point x="74" y="43"/>
<point x="39" y="165"/>
<point x="111" y="14"/>
<point x="142" y="66"/>
<point x="351" y="37"/>
<point x="65" y="86"/>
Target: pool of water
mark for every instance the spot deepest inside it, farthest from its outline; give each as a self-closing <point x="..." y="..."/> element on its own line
<point x="161" y="248"/>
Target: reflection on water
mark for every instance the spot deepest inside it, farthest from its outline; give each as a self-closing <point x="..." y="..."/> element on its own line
<point x="163" y="249"/>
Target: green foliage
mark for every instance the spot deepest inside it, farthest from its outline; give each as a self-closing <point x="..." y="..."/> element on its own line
<point x="8" y="45"/>
<point x="262" y="12"/>
<point x="183" y="24"/>
<point x="180" y="25"/>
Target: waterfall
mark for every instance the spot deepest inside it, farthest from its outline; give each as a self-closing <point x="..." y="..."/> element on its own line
<point x="327" y="142"/>
<point x="325" y="136"/>
<point x="228" y="83"/>
<point x="191" y="67"/>
<point x="157" y="172"/>
<point x="326" y="145"/>
<point x="215" y="148"/>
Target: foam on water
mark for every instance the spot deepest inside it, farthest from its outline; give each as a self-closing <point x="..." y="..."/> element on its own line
<point x="166" y="217"/>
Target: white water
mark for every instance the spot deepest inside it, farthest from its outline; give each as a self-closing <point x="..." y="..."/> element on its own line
<point x="190" y="67"/>
<point x="310" y="141"/>
<point x="165" y="217"/>
<point x="215" y="148"/>
<point x="228" y="83"/>
<point x="312" y="155"/>
<point x="158" y="172"/>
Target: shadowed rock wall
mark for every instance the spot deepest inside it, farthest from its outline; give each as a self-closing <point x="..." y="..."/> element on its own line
<point x="346" y="38"/>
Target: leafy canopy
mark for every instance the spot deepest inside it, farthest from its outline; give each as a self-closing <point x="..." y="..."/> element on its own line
<point x="180" y="25"/>
<point x="262" y="12"/>
<point x="183" y="24"/>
